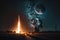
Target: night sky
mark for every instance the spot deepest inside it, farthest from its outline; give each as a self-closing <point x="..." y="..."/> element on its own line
<point x="9" y="10"/>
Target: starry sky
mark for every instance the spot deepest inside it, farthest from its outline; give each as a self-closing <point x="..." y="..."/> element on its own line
<point x="9" y="10"/>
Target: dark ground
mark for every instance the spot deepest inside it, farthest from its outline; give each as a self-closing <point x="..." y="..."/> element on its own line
<point x="30" y="36"/>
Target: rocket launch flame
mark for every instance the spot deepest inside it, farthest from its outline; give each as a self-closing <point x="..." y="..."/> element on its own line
<point x="18" y="26"/>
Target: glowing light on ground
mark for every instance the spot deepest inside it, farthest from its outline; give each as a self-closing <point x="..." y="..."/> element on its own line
<point x="18" y="26"/>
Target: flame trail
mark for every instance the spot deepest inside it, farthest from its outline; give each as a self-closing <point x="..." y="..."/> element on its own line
<point x="18" y="28"/>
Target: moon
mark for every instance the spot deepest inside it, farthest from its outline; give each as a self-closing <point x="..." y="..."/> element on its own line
<point x="40" y="12"/>
<point x="39" y="9"/>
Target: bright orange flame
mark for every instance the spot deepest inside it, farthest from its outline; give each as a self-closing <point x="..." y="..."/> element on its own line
<point x="18" y="28"/>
